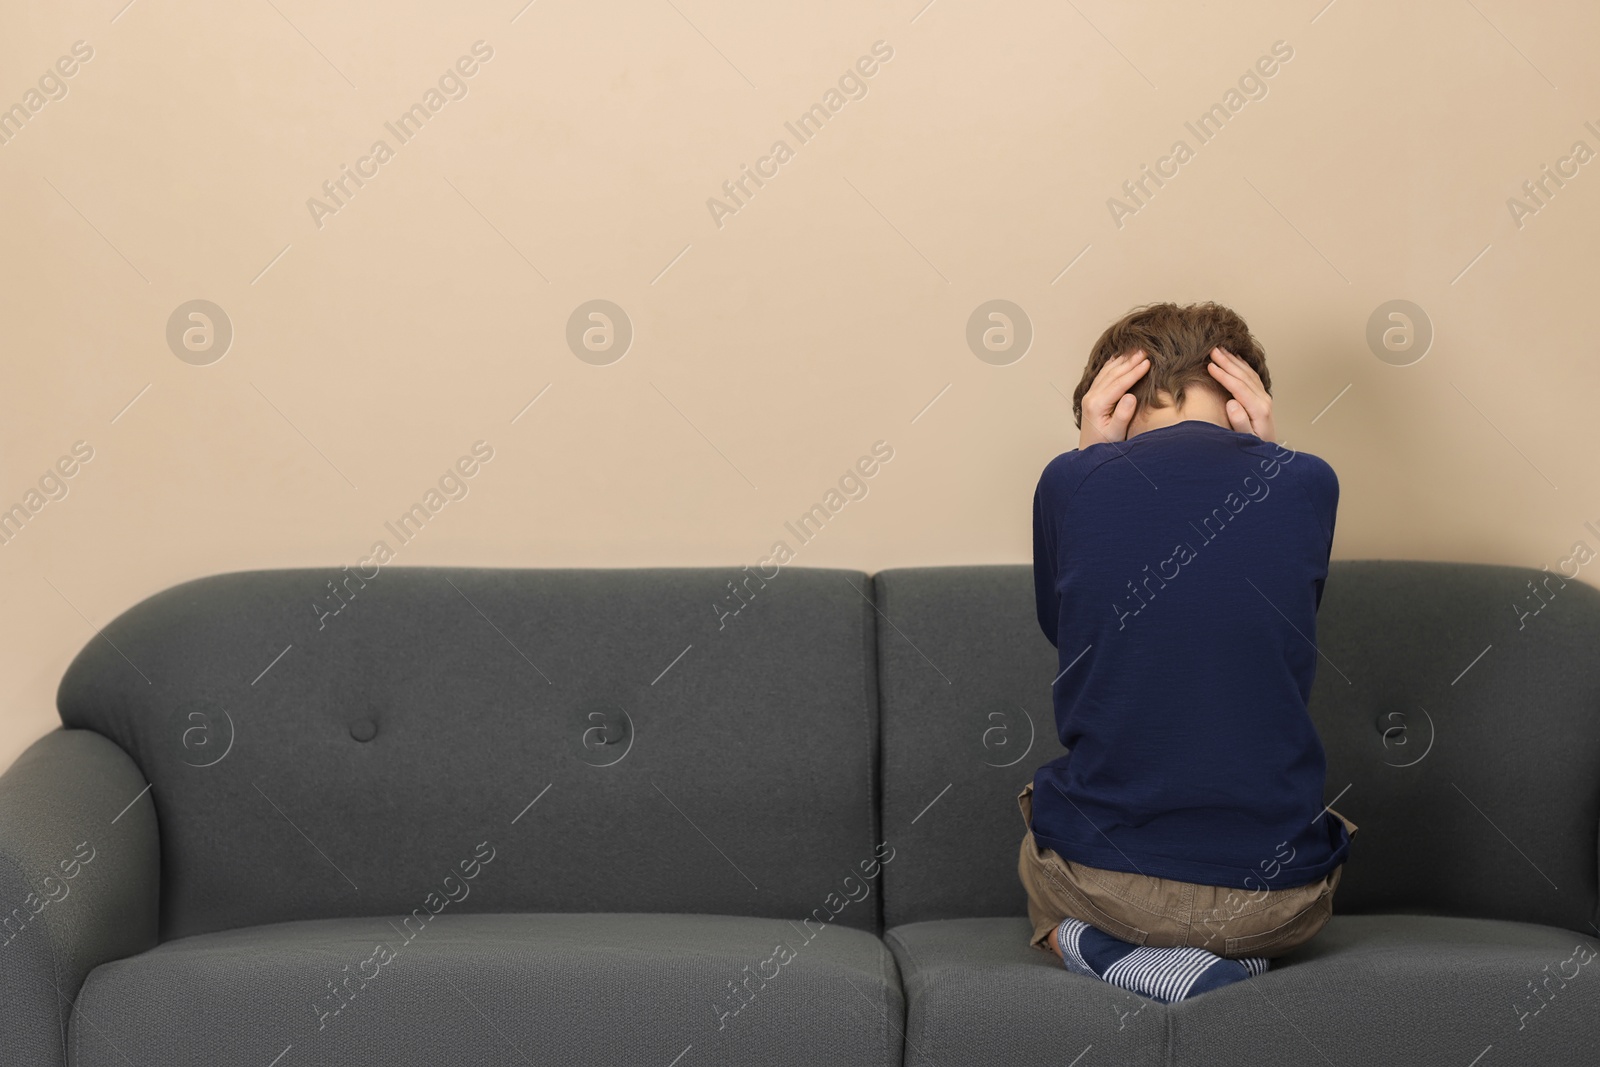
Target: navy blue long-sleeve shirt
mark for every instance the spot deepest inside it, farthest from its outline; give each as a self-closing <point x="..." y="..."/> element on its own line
<point x="1178" y="574"/>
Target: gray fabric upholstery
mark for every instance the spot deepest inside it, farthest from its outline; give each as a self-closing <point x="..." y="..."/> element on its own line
<point x="78" y="882"/>
<point x="748" y="788"/>
<point x="504" y="989"/>
<point x="976" y="993"/>
<point x="1370" y="989"/>
<point x="532" y="746"/>
<point x="964" y="681"/>
<point x="1411" y="989"/>
<point x="1498" y="820"/>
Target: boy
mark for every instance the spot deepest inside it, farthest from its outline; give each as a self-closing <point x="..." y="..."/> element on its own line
<point x="1179" y="560"/>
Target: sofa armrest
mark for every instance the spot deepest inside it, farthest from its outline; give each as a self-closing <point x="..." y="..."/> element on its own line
<point x="80" y="866"/>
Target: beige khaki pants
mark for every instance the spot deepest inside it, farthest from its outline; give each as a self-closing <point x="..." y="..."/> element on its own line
<point x="1160" y="912"/>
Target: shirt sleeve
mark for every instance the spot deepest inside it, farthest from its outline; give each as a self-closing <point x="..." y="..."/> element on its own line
<point x="1323" y="489"/>
<point x="1044" y="565"/>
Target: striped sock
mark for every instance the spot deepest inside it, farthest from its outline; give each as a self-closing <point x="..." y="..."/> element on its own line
<point x="1163" y="974"/>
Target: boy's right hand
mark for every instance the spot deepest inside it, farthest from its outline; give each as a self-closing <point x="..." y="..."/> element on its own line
<point x="1108" y="407"/>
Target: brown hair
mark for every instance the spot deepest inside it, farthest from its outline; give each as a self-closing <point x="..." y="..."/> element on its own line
<point x="1178" y="341"/>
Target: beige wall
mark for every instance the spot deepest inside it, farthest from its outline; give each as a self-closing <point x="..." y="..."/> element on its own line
<point x="372" y="346"/>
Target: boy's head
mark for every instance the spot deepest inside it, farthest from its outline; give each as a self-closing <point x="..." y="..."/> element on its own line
<point x="1178" y="340"/>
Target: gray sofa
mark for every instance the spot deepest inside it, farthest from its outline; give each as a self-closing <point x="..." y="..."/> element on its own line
<point x="588" y="817"/>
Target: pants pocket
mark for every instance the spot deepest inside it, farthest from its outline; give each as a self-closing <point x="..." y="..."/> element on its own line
<point x="1055" y="893"/>
<point x="1282" y="939"/>
<point x="1290" y="934"/>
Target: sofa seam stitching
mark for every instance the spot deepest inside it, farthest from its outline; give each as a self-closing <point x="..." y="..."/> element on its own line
<point x="906" y="991"/>
<point x="874" y="749"/>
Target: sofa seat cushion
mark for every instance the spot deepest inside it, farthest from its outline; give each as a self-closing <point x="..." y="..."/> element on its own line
<point x="1369" y="989"/>
<point x="977" y="993"/>
<point x="508" y="988"/>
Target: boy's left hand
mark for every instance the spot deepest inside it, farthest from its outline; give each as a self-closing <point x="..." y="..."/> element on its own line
<point x="1250" y="410"/>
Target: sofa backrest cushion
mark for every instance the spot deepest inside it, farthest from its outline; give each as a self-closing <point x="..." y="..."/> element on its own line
<point x="964" y="684"/>
<point x="1474" y="780"/>
<point x="1462" y="725"/>
<point x="608" y="738"/>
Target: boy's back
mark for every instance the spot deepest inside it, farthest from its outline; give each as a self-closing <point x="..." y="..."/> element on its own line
<point x="1179" y="572"/>
<point x="1179" y="560"/>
